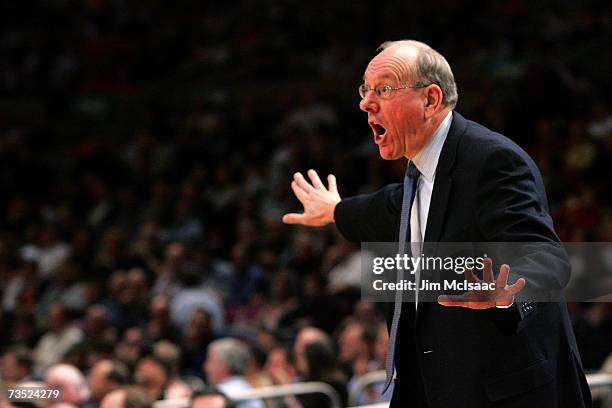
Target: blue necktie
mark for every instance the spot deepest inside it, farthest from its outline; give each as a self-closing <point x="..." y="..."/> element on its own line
<point x="410" y="184"/>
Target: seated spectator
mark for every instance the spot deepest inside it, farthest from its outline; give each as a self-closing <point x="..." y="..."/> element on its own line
<point x="15" y="365"/>
<point x="167" y="273"/>
<point x="315" y="359"/>
<point x="67" y="285"/>
<point x="315" y="306"/>
<point x="225" y="367"/>
<point x="356" y="343"/>
<point x="195" y="339"/>
<point x="134" y="296"/>
<point x="255" y="373"/>
<point x="126" y="397"/>
<point x="130" y="347"/>
<point x="70" y="381"/>
<point x="279" y="367"/>
<point x="193" y="296"/>
<point x="152" y="375"/>
<point x="210" y="398"/>
<point x="24" y="331"/>
<point x="97" y="325"/>
<point x="48" y="251"/>
<point x="277" y="300"/>
<point x="63" y="334"/>
<point x="104" y="377"/>
<point x="170" y="355"/>
<point x="247" y="275"/>
<point x="158" y="326"/>
<point x="380" y="355"/>
<point x="593" y="329"/>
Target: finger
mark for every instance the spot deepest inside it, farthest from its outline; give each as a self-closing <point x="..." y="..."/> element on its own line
<point x="316" y="181"/>
<point x="331" y="182"/>
<point x="502" y="278"/>
<point x="449" y="300"/>
<point x="470" y="277"/>
<point x="516" y="287"/>
<point x="459" y="301"/>
<point x="293" y="218"/>
<point x="301" y="181"/>
<point x="487" y="273"/>
<point x="299" y="192"/>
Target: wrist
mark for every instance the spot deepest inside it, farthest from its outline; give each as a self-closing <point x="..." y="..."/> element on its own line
<point x="331" y="217"/>
<point x="505" y="306"/>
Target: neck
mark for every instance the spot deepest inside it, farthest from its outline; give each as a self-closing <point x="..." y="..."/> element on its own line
<point x="428" y="129"/>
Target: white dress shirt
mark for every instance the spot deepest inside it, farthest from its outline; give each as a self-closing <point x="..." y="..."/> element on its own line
<point x="426" y="162"/>
<point x="237" y="385"/>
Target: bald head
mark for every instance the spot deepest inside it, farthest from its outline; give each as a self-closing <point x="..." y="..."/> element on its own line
<point x="69" y="380"/>
<point x="419" y="64"/>
<point x="396" y="62"/>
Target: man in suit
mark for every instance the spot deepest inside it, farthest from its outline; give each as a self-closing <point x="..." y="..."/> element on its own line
<point x="481" y="349"/>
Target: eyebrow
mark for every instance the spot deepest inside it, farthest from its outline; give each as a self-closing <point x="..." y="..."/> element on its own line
<point x="386" y="77"/>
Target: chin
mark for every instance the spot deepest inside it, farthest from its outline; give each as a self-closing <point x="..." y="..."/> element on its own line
<point x="387" y="154"/>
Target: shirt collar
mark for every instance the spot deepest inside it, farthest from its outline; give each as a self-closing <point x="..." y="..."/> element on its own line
<point x="427" y="159"/>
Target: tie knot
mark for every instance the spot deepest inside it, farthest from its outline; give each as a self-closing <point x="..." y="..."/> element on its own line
<point x="412" y="171"/>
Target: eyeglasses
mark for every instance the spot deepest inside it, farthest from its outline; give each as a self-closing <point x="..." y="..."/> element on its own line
<point x="384" y="91"/>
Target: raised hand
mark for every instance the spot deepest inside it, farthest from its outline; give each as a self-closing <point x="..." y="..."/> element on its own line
<point x="319" y="202"/>
<point x="502" y="296"/>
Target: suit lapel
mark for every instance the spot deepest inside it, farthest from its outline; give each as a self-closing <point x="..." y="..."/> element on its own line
<point x="443" y="181"/>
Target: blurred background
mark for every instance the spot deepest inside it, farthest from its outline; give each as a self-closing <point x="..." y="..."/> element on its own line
<point x="146" y="153"/>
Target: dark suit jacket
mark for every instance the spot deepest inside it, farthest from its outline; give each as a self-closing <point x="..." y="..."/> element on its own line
<point x="486" y="189"/>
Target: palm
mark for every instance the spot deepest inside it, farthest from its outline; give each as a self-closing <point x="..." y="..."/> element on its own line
<point x="318" y="201"/>
<point x="502" y="296"/>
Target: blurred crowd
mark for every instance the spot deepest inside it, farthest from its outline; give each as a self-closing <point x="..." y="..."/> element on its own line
<point x="146" y="153"/>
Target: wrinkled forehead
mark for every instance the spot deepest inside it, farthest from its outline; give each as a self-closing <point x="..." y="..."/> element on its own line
<point x="391" y="64"/>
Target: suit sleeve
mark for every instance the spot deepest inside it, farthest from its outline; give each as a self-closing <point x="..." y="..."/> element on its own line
<point x="370" y="217"/>
<point x="512" y="208"/>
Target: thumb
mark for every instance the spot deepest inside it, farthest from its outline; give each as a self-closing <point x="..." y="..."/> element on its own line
<point x="293" y="218"/>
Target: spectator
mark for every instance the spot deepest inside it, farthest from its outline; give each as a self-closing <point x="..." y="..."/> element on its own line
<point x="15" y="365"/>
<point x="158" y="326"/>
<point x="247" y="276"/>
<point x="153" y="375"/>
<point x="195" y="339"/>
<point x="280" y="368"/>
<point x="210" y="398"/>
<point x="96" y="324"/>
<point x="126" y="397"/>
<point x="70" y="381"/>
<point x="48" y="251"/>
<point x="104" y="377"/>
<point x="356" y="344"/>
<point x="316" y="361"/>
<point x="192" y="297"/>
<point x="24" y="330"/>
<point x="63" y="334"/>
<point x="170" y="355"/>
<point x="167" y="275"/>
<point x="225" y="368"/>
<point x="131" y="346"/>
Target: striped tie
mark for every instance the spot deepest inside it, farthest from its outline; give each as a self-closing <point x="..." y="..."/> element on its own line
<point x="410" y="183"/>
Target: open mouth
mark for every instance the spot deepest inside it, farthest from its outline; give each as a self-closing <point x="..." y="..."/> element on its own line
<point x="379" y="132"/>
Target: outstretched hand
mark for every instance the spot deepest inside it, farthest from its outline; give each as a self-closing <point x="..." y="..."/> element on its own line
<point x="502" y="296"/>
<point x="319" y="201"/>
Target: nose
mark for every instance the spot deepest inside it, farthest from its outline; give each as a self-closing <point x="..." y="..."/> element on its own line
<point x="369" y="103"/>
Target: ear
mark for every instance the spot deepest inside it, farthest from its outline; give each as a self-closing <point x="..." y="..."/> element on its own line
<point x="433" y="99"/>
